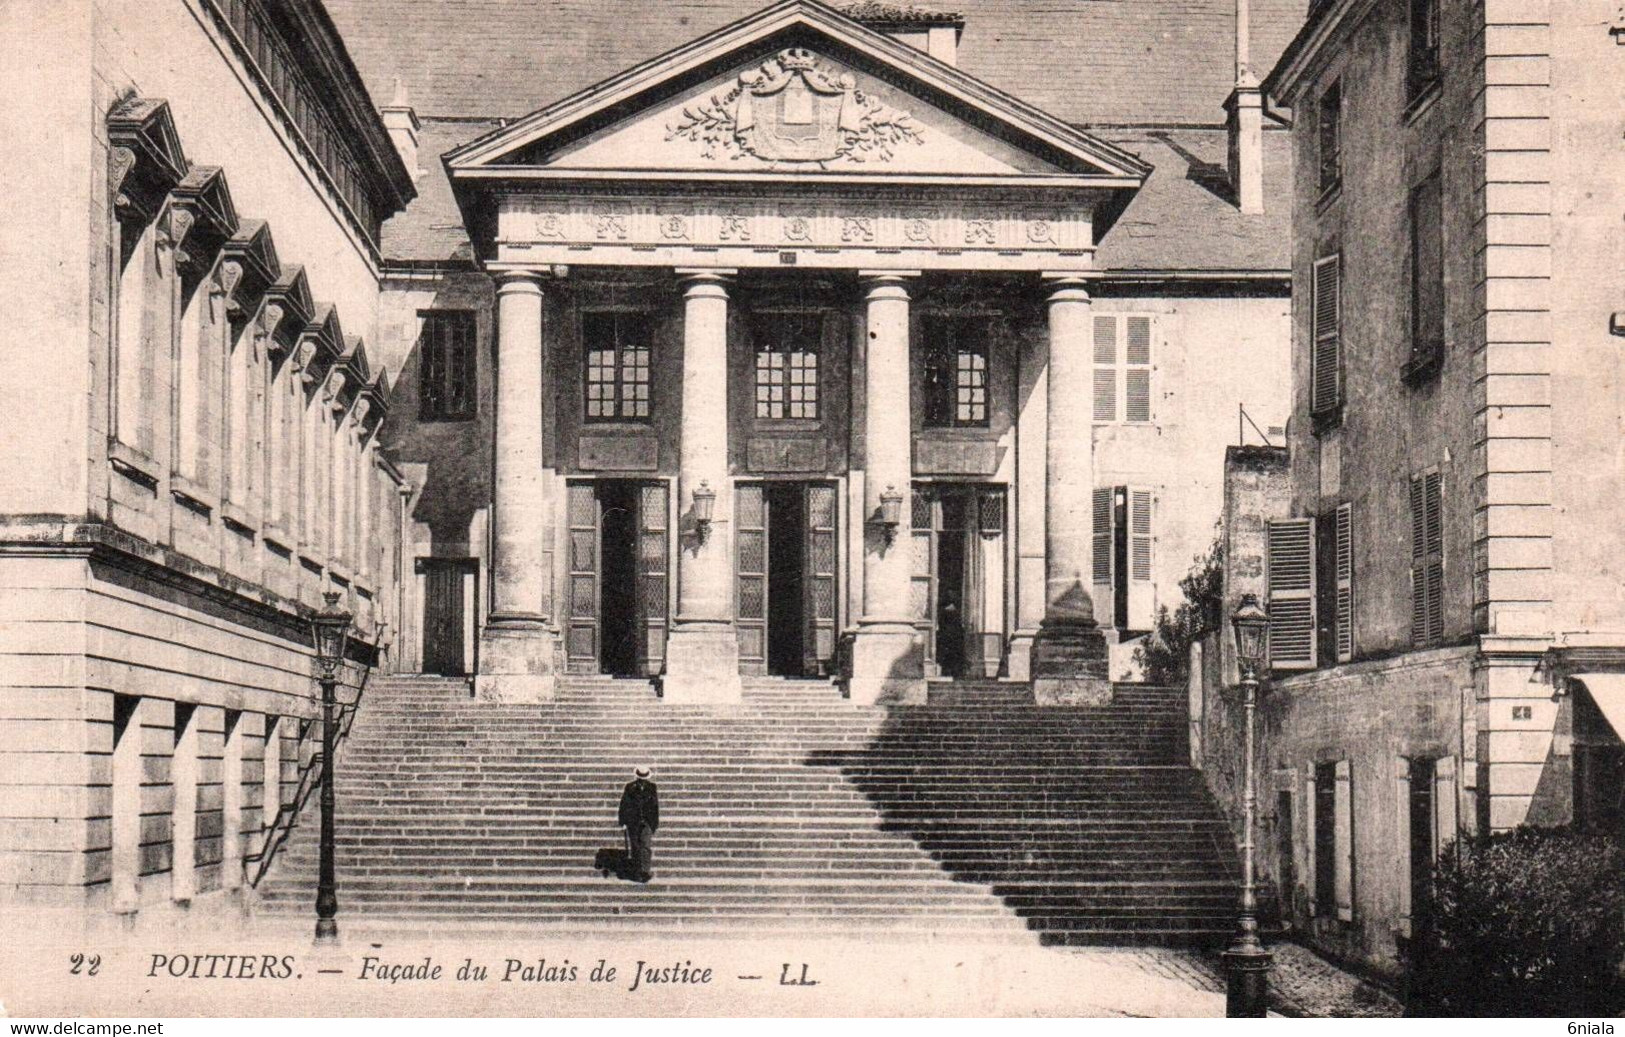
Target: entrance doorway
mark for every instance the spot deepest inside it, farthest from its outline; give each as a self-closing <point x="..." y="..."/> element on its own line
<point x="449" y="594"/>
<point x="958" y="592"/>
<point x="618" y="577"/>
<point x="784" y="543"/>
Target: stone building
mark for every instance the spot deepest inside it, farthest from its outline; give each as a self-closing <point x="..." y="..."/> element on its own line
<point x="1443" y="574"/>
<point x="190" y="458"/>
<point x="860" y="345"/>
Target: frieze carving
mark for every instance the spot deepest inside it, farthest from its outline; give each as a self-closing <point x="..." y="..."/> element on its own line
<point x="674" y="227"/>
<point x="550" y="225"/>
<point x="734" y="227"/>
<point x="979" y="232"/>
<point x="792" y="110"/>
<point x="920" y="228"/>
<point x="857" y="229"/>
<point x="609" y="226"/>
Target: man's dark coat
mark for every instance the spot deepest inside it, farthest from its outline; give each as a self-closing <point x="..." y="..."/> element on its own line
<point x="640" y="805"/>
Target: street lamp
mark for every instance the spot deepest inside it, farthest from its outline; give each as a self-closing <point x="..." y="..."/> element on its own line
<point x="705" y="502"/>
<point x="1246" y="961"/>
<point x="891" y="513"/>
<point x="330" y="628"/>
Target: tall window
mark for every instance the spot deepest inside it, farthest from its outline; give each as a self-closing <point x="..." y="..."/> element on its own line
<point x="446" y="386"/>
<point x="1334" y="585"/>
<point x="618" y="350"/>
<point x="1329" y="124"/>
<point x="787" y="346"/>
<point x="1427" y="279"/>
<point x="1325" y="836"/>
<point x="1326" y="358"/>
<point x="1122" y="348"/>
<point x="1121" y="557"/>
<point x="1427" y="561"/>
<point x="1423" y="69"/>
<point x="955" y="372"/>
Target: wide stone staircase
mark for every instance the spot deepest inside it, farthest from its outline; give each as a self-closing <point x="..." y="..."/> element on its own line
<point x="977" y="815"/>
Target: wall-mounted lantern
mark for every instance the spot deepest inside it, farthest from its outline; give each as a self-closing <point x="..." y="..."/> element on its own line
<point x="891" y="513"/>
<point x="705" y="502"/>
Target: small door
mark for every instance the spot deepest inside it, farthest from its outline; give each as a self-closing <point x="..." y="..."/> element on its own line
<point x="581" y="637"/>
<point x="819" y="581"/>
<point x="750" y="568"/>
<point x="443" y="618"/>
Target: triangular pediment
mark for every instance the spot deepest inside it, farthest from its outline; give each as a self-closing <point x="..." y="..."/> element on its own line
<point x="797" y="88"/>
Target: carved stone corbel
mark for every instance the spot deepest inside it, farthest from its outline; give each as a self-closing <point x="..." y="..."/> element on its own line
<point x="333" y="390"/>
<point x="301" y="362"/>
<point x="119" y="163"/>
<point x="173" y="227"/>
<point x="271" y="315"/>
<point x="223" y="289"/>
<point x="359" y="412"/>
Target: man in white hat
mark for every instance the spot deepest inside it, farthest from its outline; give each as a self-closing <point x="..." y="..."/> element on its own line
<point x="640" y="816"/>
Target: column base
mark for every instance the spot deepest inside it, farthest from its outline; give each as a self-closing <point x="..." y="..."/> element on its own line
<point x="1069" y="665"/>
<point x="702" y="664"/>
<point x="518" y="660"/>
<point x="1019" y="667"/>
<point x="885" y="665"/>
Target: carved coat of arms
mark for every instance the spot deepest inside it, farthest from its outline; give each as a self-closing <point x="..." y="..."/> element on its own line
<point x="791" y="110"/>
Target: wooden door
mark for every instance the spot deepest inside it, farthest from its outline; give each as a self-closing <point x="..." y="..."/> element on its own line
<point x="923" y="585"/>
<point x="443" y="619"/>
<point x="581" y="637"/>
<point x="750" y="550"/>
<point x="818" y="570"/>
<point x="653" y="566"/>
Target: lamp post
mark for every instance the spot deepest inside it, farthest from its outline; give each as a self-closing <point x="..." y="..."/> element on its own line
<point x="1246" y="961"/>
<point x="705" y="502"/>
<point x="329" y="628"/>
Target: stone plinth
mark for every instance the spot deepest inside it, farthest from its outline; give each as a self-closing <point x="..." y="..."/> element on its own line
<point x="1069" y="665"/>
<point x="702" y="664"/>
<point x="518" y="660"/>
<point x="888" y="665"/>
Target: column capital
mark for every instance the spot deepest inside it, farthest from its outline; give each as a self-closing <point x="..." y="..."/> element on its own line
<point x="886" y="284"/>
<point x="528" y="282"/>
<point x="1066" y="287"/>
<point x="702" y="282"/>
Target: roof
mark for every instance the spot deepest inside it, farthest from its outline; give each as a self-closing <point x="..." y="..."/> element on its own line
<point x="1089" y="62"/>
<point x="1182" y="219"/>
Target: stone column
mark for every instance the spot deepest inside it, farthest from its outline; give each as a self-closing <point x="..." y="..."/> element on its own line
<point x="518" y="648"/>
<point x="702" y="654"/>
<point x="885" y="663"/>
<point x="1069" y="653"/>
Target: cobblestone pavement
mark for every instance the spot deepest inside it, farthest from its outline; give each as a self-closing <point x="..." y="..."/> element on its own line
<point x="1301" y="984"/>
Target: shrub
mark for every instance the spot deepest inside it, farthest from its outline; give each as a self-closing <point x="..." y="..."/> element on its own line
<point x="1527" y="922"/>
<point x="1166" y="653"/>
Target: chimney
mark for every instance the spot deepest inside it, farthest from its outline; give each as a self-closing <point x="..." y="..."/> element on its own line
<point x="935" y="32"/>
<point x="402" y="123"/>
<point x="1244" y="110"/>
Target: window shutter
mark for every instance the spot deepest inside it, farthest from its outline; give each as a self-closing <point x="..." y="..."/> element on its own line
<point x="1345" y="583"/>
<point x="1105" y="394"/>
<point x="1344" y="799"/>
<point x="1326" y="390"/>
<point x="1291" y="592"/>
<point x="1402" y="840"/>
<point x="1105" y="368"/>
<point x="1444" y="804"/>
<point x="1141" y="588"/>
<point x="1101" y="539"/>
<point x="1309" y="872"/>
<point x="1137" y="376"/>
<point x="1427" y="561"/>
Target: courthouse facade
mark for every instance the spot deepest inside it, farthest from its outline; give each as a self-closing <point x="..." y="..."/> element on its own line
<point x="799" y="350"/>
